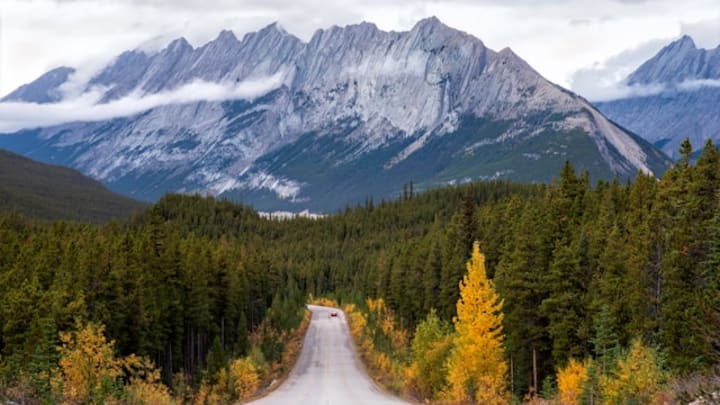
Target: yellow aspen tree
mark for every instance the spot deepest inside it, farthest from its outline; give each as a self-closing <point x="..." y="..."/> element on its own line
<point x="571" y="381"/>
<point x="244" y="378"/>
<point x="145" y="386"/>
<point x="88" y="367"/>
<point x="637" y="379"/>
<point x="476" y="368"/>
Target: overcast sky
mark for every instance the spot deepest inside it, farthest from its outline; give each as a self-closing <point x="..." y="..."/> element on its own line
<point x="586" y="45"/>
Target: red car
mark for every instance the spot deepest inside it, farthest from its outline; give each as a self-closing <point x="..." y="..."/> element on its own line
<point x="333" y="313"/>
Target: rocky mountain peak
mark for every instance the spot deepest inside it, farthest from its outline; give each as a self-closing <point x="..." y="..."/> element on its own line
<point x="430" y="24"/>
<point x="44" y="89"/>
<point x="226" y="37"/>
<point x="431" y="33"/>
<point x="273" y="29"/>
<point x="678" y="61"/>
<point x="179" y="45"/>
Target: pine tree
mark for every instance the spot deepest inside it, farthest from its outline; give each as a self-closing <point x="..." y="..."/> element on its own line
<point x="563" y="306"/>
<point x="682" y="218"/>
<point x="243" y="342"/>
<point x="458" y="241"/>
<point x="519" y="282"/>
<point x="477" y="368"/>
<point x="215" y="358"/>
<point x="432" y="274"/>
<point x="606" y="341"/>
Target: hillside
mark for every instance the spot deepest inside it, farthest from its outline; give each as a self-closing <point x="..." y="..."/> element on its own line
<point x="53" y="192"/>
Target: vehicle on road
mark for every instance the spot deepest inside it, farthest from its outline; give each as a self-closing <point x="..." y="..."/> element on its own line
<point x="333" y="313"/>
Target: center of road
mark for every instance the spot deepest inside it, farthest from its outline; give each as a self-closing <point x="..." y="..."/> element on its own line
<point x="328" y="371"/>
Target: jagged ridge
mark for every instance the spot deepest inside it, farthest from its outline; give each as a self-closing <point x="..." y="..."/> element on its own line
<point x="382" y="99"/>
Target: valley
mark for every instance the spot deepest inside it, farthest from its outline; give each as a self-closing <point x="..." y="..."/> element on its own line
<point x="360" y="213"/>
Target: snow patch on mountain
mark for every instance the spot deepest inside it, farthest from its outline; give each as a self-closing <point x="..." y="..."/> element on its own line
<point x="284" y="188"/>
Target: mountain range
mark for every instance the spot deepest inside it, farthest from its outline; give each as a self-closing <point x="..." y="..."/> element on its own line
<point x="683" y="82"/>
<point x="355" y="112"/>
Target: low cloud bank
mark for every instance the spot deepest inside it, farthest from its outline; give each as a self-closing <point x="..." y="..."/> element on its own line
<point x="15" y="116"/>
<point x="691" y="85"/>
<point x="619" y="91"/>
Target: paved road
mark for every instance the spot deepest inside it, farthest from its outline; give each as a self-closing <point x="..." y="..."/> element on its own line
<point x="328" y="371"/>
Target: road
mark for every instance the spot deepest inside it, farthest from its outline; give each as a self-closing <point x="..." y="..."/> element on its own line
<point x="328" y="370"/>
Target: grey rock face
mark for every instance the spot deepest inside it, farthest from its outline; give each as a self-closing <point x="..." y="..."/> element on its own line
<point x="45" y="89"/>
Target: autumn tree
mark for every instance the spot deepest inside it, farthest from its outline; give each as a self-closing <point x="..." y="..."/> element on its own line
<point x="89" y="369"/>
<point x="244" y="380"/>
<point x="477" y="368"/>
<point x="145" y="386"/>
<point x="571" y="380"/>
<point x="431" y="348"/>
<point x="637" y="379"/>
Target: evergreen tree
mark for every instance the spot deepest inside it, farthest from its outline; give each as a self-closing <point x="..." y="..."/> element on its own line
<point x="519" y="282"/>
<point x="605" y="342"/>
<point x="215" y="358"/>
<point x="564" y="305"/>
<point x="432" y="276"/>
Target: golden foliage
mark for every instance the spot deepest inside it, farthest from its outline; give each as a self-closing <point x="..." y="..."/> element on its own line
<point x="90" y="372"/>
<point x="385" y="319"/>
<point x="571" y="380"/>
<point x="357" y="321"/>
<point x="145" y="386"/>
<point x="638" y="378"/>
<point x="206" y="395"/>
<point x="144" y="392"/>
<point x="378" y="322"/>
<point x="477" y="368"/>
<point x="89" y="369"/>
<point x="243" y="378"/>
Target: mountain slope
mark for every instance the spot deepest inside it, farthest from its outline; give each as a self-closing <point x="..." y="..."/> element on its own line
<point x="355" y="112"/>
<point x="52" y="192"/>
<point x="686" y="104"/>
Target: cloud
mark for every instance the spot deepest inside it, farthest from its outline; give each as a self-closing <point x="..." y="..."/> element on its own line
<point x="621" y="90"/>
<point x="15" y="116"/>
<point x="691" y="85"/>
<point x="605" y="81"/>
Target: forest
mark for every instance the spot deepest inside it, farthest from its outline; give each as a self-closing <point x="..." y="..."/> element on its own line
<point x="195" y="300"/>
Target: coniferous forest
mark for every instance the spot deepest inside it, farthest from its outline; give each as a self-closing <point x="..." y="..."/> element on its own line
<point x="194" y="299"/>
